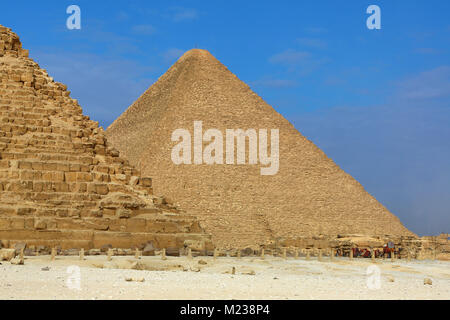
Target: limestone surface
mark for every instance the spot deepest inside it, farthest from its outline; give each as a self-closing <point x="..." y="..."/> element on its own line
<point x="309" y="196"/>
<point x="61" y="183"/>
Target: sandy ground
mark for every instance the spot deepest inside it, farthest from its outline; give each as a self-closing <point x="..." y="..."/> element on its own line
<point x="181" y="278"/>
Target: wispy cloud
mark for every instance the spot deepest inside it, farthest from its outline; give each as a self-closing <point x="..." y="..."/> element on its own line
<point x="104" y="87"/>
<point x="316" y="30"/>
<point x="426" y="51"/>
<point x="431" y="84"/>
<point x="399" y="151"/>
<point x="312" y="43"/>
<point x="122" y="16"/>
<point x="144" y="29"/>
<point x="274" y="83"/>
<point x="299" y="61"/>
<point x="179" y="14"/>
<point x="97" y="32"/>
<point x="290" y="57"/>
<point x="172" y="54"/>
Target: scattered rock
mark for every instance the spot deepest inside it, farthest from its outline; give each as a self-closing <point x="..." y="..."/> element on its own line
<point x="7" y="254"/>
<point x="390" y="279"/>
<point x="202" y="262"/>
<point x="427" y="281"/>
<point x="17" y="261"/>
<point x="173" y="252"/>
<point x="105" y="248"/>
<point x="137" y="265"/>
<point x="94" y="252"/>
<point x="45" y="269"/>
<point x="71" y="252"/>
<point x="249" y="272"/>
<point x="247" y="252"/>
<point x="134" y="279"/>
<point x="149" y="250"/>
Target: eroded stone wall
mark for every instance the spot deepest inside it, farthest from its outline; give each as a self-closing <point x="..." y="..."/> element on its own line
<point x="60" y="181"/>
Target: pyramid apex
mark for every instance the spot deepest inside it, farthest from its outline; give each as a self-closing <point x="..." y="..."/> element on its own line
<point x="197" y="52"/>
<point x="200" y="54"/>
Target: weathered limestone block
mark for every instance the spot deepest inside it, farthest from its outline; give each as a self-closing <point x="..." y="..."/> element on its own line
<point x="7" y="254"/>
<point x="40" y="225"/>
<point x="61" y="182"/>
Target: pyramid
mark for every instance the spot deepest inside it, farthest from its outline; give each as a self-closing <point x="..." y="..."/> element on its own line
<point x="308" y="196"/>
<point x="61" y="184"/>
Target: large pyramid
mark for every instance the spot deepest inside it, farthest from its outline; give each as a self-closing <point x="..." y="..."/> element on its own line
<point x="60" y="181"/>
<point x="309" y="196"/>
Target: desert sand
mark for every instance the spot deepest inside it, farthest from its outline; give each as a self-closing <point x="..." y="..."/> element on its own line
<point x="206" y="278"/>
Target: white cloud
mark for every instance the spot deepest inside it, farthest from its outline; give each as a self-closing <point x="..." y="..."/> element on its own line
<point x="301" y="62"/>
<point x="399" y="151"/>
<point x="104" y="87"/>
<point x="430" y="84"/>
<point x="172" y="54"/>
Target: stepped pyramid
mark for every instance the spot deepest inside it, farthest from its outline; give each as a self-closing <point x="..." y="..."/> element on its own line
<point x="60" y="181"/>
<point x="309" y="196"/>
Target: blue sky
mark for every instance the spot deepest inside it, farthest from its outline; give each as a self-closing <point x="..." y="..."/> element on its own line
<point x="376" y="101"/>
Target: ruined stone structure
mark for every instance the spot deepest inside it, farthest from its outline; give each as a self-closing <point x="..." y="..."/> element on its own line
<point x="61" y="184"/>
<point x="309" y="196"/>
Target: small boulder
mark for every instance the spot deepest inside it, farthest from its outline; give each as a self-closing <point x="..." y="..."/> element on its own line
<point x="173" y="252"/>
<point x="249" y="272"/>
<point x="203" y="262"/>
<point x="427" y="281"/>
<point x="247" y="252"/>
<point x="149" y="250"/>
<point x="128" y="279"/>
<point x="17" y="261"/>
<point x="94" y="252"/>
<point x="7" y="254"/>
<point x="137" y="265"/>
<point x="105" y="247"/>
